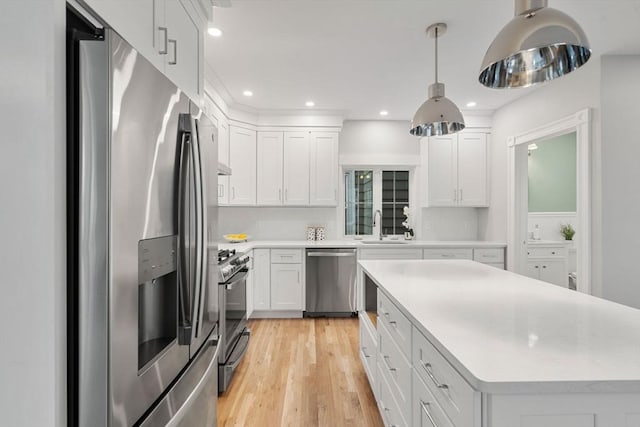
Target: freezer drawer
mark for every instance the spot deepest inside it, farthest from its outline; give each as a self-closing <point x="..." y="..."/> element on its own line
<point x="193" y="399"/>
<point x="330" y="282"/>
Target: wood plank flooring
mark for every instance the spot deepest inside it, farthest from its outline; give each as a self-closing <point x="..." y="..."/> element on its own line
<point x="300" y="372"/>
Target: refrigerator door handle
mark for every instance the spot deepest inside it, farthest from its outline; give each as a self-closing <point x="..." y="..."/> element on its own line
<point x="201" y="212"/>
<point x="183" y="261"/>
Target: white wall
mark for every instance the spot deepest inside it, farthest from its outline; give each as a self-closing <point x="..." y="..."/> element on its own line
<point x="620" y="89"/>
<point x="32" y="217"/>
<point x="378" y="142"/>
<point x="553" y="101"/>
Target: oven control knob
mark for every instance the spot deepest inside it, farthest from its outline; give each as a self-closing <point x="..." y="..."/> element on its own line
<point x="227" y="269"/>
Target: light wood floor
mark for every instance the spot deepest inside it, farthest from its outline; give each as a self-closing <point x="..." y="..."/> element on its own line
<point x="300" y="372"/>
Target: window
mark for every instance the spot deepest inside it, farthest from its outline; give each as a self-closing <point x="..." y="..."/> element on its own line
<point x="358" y="204"/>
<point x="395" y="196"/>
<point x="367" y="191"/>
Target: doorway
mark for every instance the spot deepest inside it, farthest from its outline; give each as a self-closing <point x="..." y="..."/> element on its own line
<point x="521" y="222"/>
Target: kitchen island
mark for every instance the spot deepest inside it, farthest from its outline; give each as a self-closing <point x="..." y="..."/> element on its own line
<point x="478" y="346"/>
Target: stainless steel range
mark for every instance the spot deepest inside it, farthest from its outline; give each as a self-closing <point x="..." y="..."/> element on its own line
<point x="232" y="293"/>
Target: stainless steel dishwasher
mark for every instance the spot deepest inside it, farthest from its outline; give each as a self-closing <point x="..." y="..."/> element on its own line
<point x="330" y="283"/>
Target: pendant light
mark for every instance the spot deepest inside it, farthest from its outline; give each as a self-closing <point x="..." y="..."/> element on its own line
<point x="539" y="44"/>
<point x="438" y="115"/>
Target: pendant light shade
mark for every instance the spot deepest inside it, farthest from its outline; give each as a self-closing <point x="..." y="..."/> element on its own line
<point x="539" y="44"/>
<point x="438" y="115"/>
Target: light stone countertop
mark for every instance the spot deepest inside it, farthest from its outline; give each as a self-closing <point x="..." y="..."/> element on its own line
<point x="507" y="333"/>
<point x="246" y="246"/>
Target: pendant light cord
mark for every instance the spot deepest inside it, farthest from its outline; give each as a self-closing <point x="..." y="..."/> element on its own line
<point x="436" y="54"/>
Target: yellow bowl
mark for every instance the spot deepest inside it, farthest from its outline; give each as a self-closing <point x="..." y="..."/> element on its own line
<point x="236" y="238"/>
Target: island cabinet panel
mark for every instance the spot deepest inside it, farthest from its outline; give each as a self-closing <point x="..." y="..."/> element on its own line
<point x="426" y="411"/>
<point x="564" y="410"/>
<point x="397" y="369"/>
<point x="389" y="409"/>
<point x="368" y="351"/>
<point x="397" y="323"/>
<point x="458" y="399"/>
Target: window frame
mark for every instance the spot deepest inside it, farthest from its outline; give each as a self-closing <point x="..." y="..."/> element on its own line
<point x="377" y="198"/>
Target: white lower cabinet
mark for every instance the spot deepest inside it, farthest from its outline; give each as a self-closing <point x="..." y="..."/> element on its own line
<point x="286" y="287"/>
<point x="548" y="262"/>
<point x="249" y="283"/>
<point x="261" y="279"/>
<point x="368" y="350"/>
<point x="426" y="410"/>
<point x="278" y="283"/>
<point x="391" y="414"/>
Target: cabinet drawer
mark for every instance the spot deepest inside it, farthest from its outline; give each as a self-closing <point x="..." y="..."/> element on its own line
<point x="397" y="324"/>
<point x="456" y="397"/>
<point x="546" y="252"/>
<point x="426" y="410"/>
<point x="286" y="256"/>
<point x="454" y="253"/>
<point x="488" y="256"/>
<point x="368" y="352"/>
<point x="391" y="414"/>
<point x="400" y="253"/>
<point x="397" y="370"/>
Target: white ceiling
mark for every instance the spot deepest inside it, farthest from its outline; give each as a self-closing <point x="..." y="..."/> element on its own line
<point x="357" y="57"/>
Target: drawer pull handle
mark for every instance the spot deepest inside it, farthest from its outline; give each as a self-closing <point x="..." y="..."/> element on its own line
<point x="391" y="322"/>
<point x="427" y="368"/>
<point x="425" y="408"/>
<point x="447" y="255"/>
<point x="365" y="353"/>
<point x="386" y="362"/>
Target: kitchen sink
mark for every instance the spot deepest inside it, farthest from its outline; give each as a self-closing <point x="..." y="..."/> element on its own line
<point x="383" y="242"/>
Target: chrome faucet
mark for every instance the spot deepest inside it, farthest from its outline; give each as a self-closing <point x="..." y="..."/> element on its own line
<point x="379" y="214"/>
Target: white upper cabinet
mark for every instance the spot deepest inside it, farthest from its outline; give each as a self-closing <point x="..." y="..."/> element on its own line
<point x="182" y="46"/>
<point x="323" y="169"/>
<point x="442" y="170"/>
<point x="472" y="169"/>
<point x="242" y="160"/>
<point x="456" y="170"/>
<point x="168" y="33"/>
<point x="223" y="157"/>
<point x="269" y="168"/>
<point x="296" y="168"/>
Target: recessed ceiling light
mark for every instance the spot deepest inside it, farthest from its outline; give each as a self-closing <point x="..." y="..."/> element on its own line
<point x="214" y="32"/>
<point x="384" y="113"/>
<point x="247" y="93"/>
<point x="310" y="103"/>
<point x="472" y="104"/>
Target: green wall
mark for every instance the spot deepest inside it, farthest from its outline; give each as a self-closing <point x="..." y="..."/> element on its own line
<point x="552" y="175"/>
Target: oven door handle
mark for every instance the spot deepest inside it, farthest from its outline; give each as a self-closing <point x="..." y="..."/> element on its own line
<point x="239" y="277"/>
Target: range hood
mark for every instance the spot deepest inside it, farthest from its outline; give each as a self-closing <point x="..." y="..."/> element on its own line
<point x="223" y="169"/>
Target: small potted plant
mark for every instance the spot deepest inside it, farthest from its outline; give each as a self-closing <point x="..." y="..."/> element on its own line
<point x="567" y="231"/>
<point x="408" y="235"/>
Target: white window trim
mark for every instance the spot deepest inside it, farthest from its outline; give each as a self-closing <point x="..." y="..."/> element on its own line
<point x="414" y="203"/>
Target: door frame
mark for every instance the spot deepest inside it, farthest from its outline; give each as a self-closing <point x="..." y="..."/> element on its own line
<point x="517" y="203"/>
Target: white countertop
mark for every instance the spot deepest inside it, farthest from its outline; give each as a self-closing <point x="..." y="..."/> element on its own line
<point x="246" y="246"/>
<point x="508" y="333"/>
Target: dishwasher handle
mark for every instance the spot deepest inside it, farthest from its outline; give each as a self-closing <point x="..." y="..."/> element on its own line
<point x="331" y="254"/>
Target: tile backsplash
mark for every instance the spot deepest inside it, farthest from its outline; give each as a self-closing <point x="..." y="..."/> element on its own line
<point x="276" y="223"/>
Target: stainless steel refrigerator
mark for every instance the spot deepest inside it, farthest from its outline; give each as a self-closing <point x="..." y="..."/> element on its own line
<point x="143" y="299"/>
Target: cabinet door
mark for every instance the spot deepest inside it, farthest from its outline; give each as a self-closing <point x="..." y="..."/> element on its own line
<point x="183" y="46"/>
<point x="441" y="171"/>
<point x="323" y="169"/>
<point x="269" y="170"/>
<point x="250" y="285"/>
<point x="472" y="169"/>
<point x="223" y="157"/>
<point x="296" y="168"/>
<point x="554" y="271"/>
<point x="261" y="279"/>
<point x="286" y="286"/>
<point x="135" y="21"/>
<point x="242" y="160"/>
<point x="533" y="269"/>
